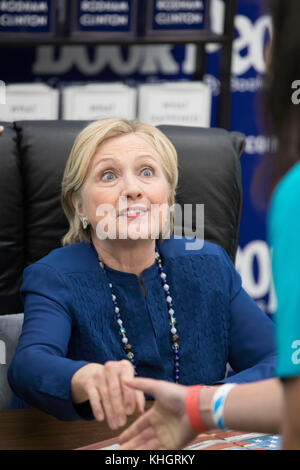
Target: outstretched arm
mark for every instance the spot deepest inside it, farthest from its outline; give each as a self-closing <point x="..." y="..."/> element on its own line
<point x="254" y="407"/>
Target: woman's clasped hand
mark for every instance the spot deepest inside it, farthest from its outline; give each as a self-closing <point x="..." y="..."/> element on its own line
<point x="103" y="386"/>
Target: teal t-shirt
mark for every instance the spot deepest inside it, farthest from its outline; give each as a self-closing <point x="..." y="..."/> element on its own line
<point x="284" y="238"/>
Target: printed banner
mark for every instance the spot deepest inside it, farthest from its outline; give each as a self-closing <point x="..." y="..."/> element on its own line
<point x="183" y="16"/>
<point x="92" y="16"/>
<point x="27" y="18"/>
<point x="253" y="29"/>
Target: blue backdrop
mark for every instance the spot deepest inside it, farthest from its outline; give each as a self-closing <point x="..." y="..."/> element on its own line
<point x="58" y="66"/>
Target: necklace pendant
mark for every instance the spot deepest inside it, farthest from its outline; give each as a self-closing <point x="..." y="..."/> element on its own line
<point x="175" y="338"/>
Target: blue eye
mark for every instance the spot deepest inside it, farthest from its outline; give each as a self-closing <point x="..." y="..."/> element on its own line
<point x="147" y="172"/>
<point x="109" y="176"/>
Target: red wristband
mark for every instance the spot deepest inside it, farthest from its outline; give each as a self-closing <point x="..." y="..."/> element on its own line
<point x="191" y="403"/>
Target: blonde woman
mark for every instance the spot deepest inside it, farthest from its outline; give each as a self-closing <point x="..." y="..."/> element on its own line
<point x="122" y="297"/>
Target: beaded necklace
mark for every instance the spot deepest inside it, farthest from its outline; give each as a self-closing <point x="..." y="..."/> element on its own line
<point x="172" y="320"/>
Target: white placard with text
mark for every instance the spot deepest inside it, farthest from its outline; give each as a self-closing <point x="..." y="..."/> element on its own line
<point x="30" y="102"/>
<point x="92" y="102"/>
<point x="182" y="103"/>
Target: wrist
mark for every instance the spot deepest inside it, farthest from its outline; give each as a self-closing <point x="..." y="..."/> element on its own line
<point x="198" y="406"/>
<point x="218" y="404"/>
<point x="192" y="409"/>
<point x="77" y="386"/>
<point x="204" y="405"/>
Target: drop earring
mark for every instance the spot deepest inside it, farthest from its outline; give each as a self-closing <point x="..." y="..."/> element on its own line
<point x="84" y="221"/>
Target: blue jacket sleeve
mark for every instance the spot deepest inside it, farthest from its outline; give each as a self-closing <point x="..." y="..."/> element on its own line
<point x="40" y="372"/>
<point x="252" y="350"/>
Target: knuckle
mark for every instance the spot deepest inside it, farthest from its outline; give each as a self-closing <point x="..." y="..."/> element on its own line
<point x="126" y="364"/>
<point x="97" y="375"/>
<point x="109" y="365"/>
<point x="114" y="393"/>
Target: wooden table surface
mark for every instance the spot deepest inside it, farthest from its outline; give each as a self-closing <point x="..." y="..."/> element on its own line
<point x="31" y="429"/>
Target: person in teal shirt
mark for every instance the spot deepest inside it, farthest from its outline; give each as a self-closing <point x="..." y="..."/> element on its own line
<point x="283" y="218"/>
<point x="284" y="231"/>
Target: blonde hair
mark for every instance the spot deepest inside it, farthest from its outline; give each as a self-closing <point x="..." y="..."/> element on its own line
<point x="84" y="148"/>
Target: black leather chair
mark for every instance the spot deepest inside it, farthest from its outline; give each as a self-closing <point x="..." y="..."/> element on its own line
<point x="32" y="160"/>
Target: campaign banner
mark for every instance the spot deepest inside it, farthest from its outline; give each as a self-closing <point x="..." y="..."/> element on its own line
<point x="110" y="18"/>
<point x="253" y="32"/>
<point x="176" y="16"/>
<point x="27" y="19"/>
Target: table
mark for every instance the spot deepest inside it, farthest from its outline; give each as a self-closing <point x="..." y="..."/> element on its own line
<point x="32" y="429"/>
